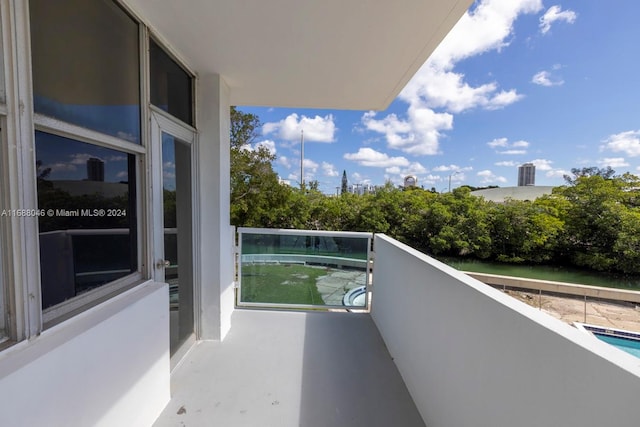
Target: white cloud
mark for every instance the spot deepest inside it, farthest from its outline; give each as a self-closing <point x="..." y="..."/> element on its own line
<point x="451" y="168"/>
<point x="316" y="129"/>
<point x="489" y="177"/>
<point x="498" y="142"/>
<point x="370" y="157"/>
<point x="436" y="85"/>
<point x="623" y="142"/>
<point x="310" y="167"/>
<point x="503" y="99"/>
<point x="394" y="170"/>
<point x="81" y="158"/>
<point x="268" y="144"/>
<point x="329" y="170"/>
<point x="614" y="162"/>
<point x="116" y="158"/>
<point x="358" y="178"/>
<point x="553" y="14"/>
<point x="542" y="164"/>
<point x="413" y="169"/>
<point x="122" y="174"/>
<point x="544" y="78"/>
<point x="418" y="135"/>
<point x="556" y="173"/>
<point x="509" y="163"/>
<point x="60" y="167"/>
<point x="284" y="161"/>
<point x="485" y="28"/>
<point x="510" y="148"/>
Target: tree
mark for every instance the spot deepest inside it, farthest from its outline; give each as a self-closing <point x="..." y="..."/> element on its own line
<point x="257" y="197"/>
<point x="595" y="216"/>
<point x="606" y="173"/>
<point x="244" y="128"/>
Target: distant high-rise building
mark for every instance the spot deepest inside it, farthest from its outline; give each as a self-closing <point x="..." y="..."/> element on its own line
<point x="344" y="182"/>
<point x="526" y="175"/>
<point x="95" y="169"/>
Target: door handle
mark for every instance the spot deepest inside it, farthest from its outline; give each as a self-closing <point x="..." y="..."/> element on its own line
<point x="163" y="263"/>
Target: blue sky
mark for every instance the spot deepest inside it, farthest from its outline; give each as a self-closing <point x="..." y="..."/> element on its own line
<point x="515" y="81"/>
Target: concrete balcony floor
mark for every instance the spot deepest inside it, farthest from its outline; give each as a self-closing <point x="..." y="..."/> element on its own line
<point x="285" y="369"/>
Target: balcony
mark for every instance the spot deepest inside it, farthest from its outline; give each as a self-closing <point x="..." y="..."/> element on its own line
<point x="411" y="361"/>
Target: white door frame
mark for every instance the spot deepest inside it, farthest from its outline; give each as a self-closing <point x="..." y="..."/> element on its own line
<point x="162" y="122"/>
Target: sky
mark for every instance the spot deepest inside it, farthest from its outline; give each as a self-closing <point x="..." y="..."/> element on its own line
<point x="515" y="81"/>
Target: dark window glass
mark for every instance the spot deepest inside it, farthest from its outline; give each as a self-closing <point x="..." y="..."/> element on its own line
<point x="171" y="86"/>
<point x="88" y="227"/>
<point x="4" y="217"/>
<point x="86" y="70"/>
<point x="3" y="94"/>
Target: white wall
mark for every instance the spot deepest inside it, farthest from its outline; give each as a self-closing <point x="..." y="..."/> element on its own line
<point x="108" y="366"/>
<point x="215" y="270"/>
<point x="472" y="356"/>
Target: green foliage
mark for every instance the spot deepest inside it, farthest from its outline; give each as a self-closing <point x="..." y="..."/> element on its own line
<point x="255" y="189"/>
<point x="592" y="222"/>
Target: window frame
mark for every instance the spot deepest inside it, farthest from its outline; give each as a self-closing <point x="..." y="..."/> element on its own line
<point x="5" y="300"/>
<point x="19" y="238"/>
<point x="54" y="314"/>
<point x="21" y="274"/>
<point x="66" y="309"/>
<point x="172" y="56"/>
<point x="162" y="44"/>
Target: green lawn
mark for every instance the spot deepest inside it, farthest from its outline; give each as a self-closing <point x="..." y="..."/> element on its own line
<point x="281" y="283"/>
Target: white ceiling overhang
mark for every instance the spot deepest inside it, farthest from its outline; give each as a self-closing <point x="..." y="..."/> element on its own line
<point x="342" y="54"/>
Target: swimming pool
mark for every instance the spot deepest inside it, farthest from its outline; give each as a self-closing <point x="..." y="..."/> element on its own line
<point x="624" y="340"/>
<point x="631" y="346"/>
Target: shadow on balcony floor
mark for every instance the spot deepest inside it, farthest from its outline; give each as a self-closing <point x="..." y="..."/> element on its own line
<point x="285" y="369"/>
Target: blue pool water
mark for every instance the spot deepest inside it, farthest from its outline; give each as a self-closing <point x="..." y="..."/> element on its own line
<point x="629" y="345"/>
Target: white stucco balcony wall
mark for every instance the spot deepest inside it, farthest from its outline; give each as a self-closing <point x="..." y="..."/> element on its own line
<point x="472" y="356"/>
<point x="108" y="366"/>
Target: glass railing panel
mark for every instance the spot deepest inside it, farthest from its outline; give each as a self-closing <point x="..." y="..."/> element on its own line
<point x="297" y="268"/>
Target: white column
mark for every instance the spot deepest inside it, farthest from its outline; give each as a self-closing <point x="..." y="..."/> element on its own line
<point x="215" y="271"/>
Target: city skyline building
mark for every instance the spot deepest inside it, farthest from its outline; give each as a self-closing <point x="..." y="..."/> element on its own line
<point x="95" y="169"/>
<point x="526" y="175"/>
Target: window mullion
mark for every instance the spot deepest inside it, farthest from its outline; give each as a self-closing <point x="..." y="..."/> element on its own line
<point x="24" y="268"/>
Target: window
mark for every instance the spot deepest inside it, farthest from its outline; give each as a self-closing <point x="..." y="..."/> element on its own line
<point x="3" y="92"/>
<point x="87" y="195"/>
<point x="86" y="66"/>
<point x="4" y="217"/>
<point x="86" y="91"/>
<point x="171" y="86"/>
<point x="4" y="214"/>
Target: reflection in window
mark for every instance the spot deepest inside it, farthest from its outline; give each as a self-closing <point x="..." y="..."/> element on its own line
<point x="3" y="311"/>
<point x="85" y="58"/>
<point x="3" y="217"/>
<point x="88" y="230"/>
<point x="170" y="85"/>
<point x="3" y="93"/>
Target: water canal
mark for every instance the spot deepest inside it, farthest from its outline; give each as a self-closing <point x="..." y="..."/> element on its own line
<point x="545" y="272"/>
